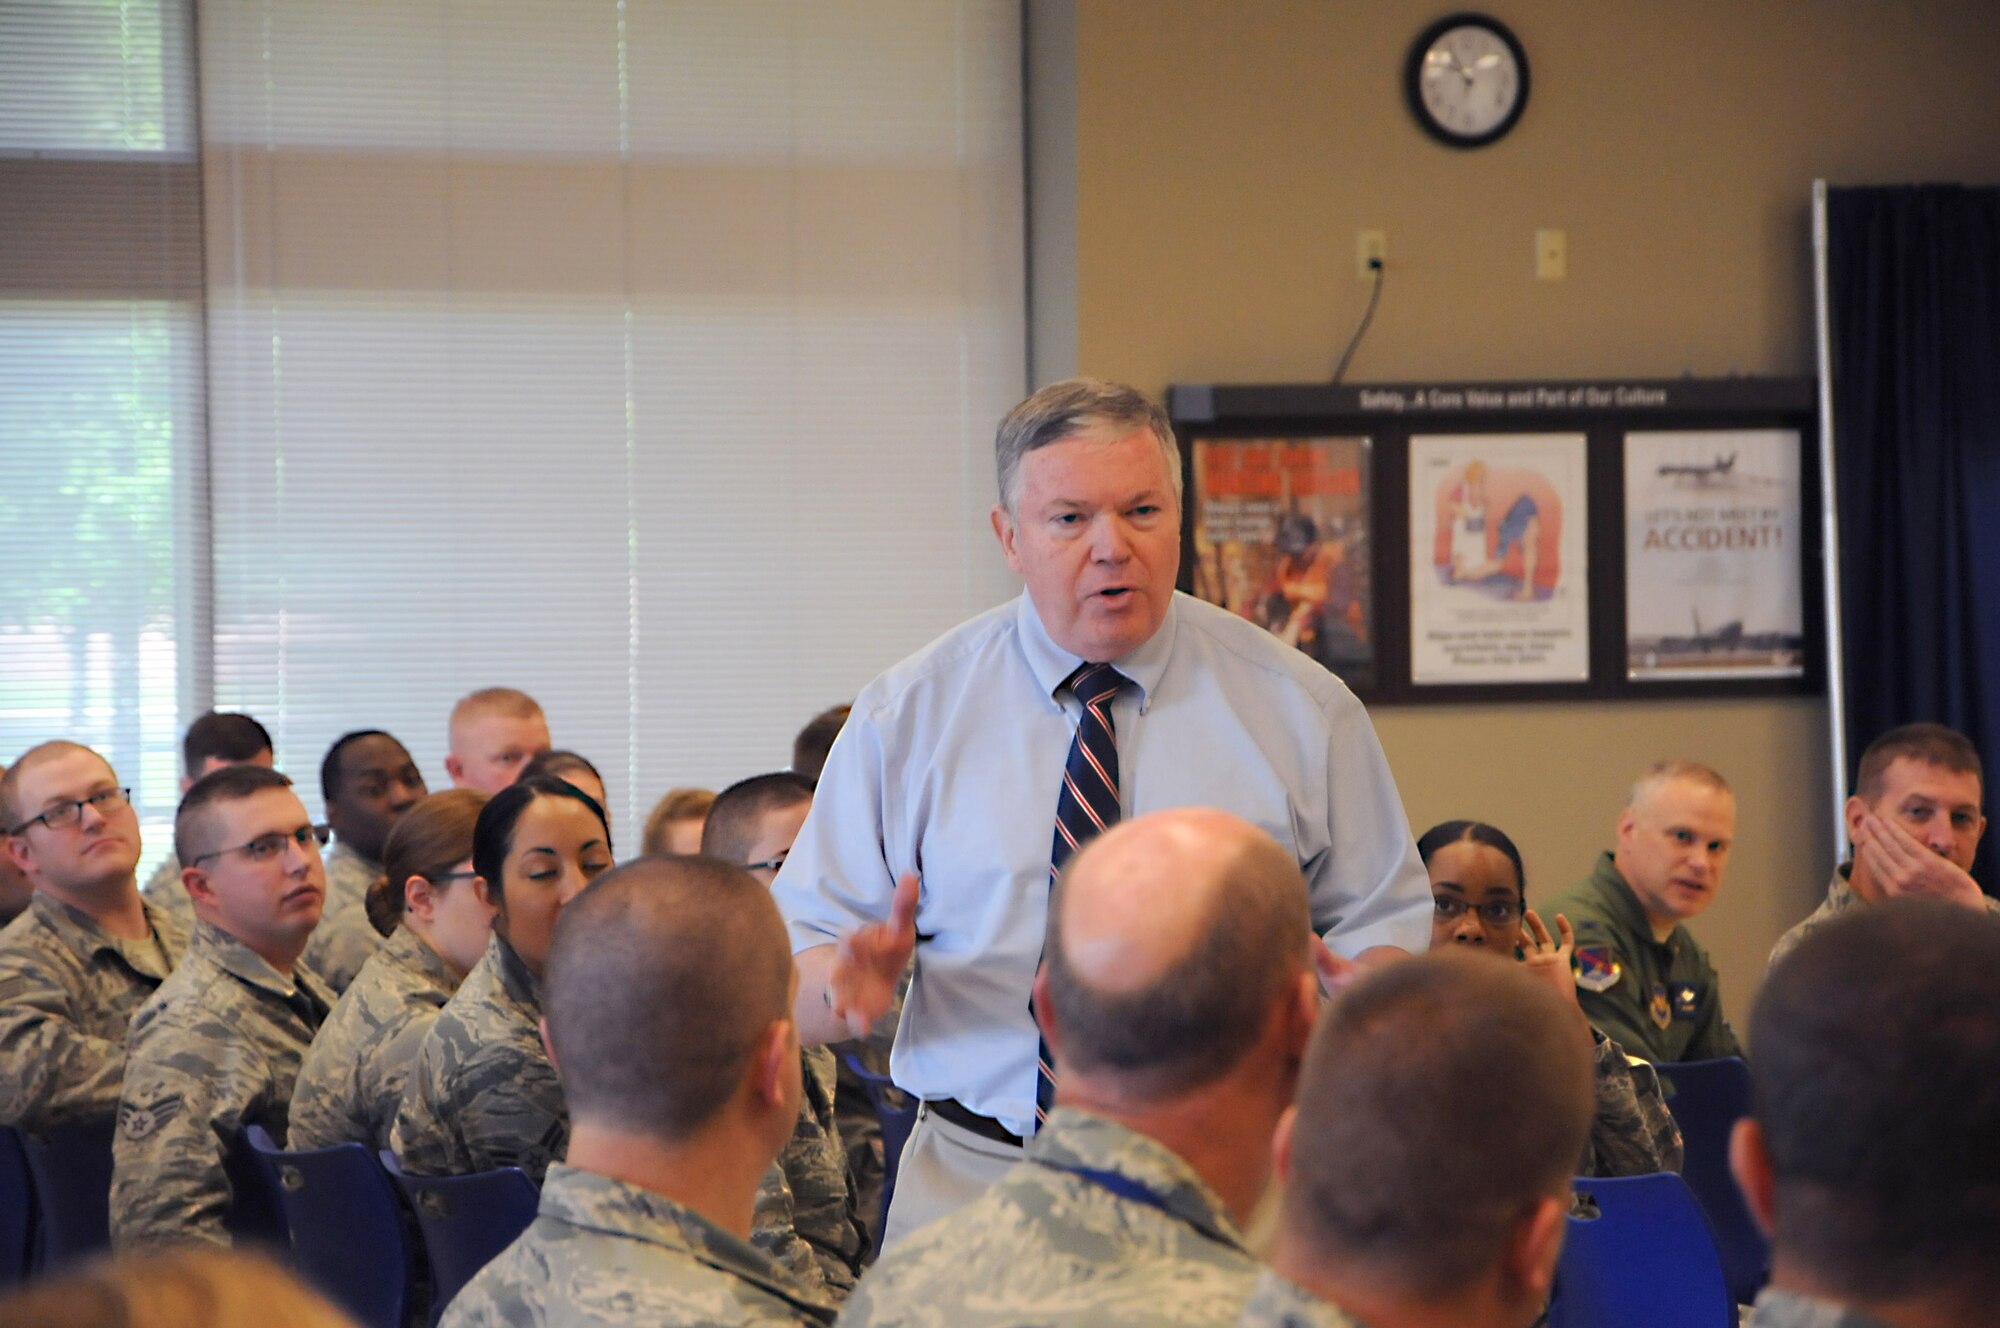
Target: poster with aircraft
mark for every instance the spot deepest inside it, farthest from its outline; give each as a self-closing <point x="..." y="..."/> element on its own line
<point x="1712" y="563"/>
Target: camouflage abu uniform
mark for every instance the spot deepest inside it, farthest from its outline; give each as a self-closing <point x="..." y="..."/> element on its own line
<point x="215" y="1050"/>
<point x="1840" y="897"/>
<point x="1050" y="1246"/>
<point x="352" y="1081"/>
<point x="68" y="990"/>
<point x="814" y="1163"/>
<point x="601" y="1252"/>
<point x="481" y="1093"/>
<point x="1633" y="1133"/>
<point x="1776" y="1308"/>
<point x="164" y="891"/>
<point x="345" y="938"/>
<point x="1277" y="1303"/>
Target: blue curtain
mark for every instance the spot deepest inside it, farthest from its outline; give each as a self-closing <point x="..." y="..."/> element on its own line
<point x="1914" y="281"/>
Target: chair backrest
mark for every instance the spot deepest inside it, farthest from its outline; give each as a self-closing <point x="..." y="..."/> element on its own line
<point x="17" y="1210"/>
<point x="466" y="1220"/>
<point x="1639" y="1254"/>
<point x="72" y="1177"/>
<point x="1707" y="1098"/>
<point x="896" y="1112"/>
<point x="346" y="1225"/>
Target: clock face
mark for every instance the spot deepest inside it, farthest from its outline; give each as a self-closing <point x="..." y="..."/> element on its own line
<point x="1467" y="80"/>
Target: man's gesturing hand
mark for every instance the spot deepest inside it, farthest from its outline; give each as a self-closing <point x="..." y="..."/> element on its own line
<point x="869" y="962"/>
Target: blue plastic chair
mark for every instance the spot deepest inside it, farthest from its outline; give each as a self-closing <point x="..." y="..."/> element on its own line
<point x="72" y="1178"/>
<point x="896" y="1111"/>
<point x="346" y="1225"/>
<point x="17" y="1210"/>
<point x="1707" y="1098"/>
<point x="1640" y="1256"/>
<point x="466" y="1220"/>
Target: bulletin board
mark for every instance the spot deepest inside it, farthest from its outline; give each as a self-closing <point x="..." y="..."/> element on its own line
<point x="1439" y="542"/>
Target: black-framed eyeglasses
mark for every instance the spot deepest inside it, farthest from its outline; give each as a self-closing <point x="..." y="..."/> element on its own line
<point x="266" y="847"/>
<point x="439" y="878"/>
<point x="768" y="864"/>
<point x="1494" y="913"/>
<point x="66" y="814"/>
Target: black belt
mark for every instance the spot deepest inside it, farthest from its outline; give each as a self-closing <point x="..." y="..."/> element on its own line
<point x="966" y="1119"/>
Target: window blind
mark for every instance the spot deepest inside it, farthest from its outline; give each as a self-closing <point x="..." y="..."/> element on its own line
<point x="643" y="356"/>
<point x="100" y="385"/>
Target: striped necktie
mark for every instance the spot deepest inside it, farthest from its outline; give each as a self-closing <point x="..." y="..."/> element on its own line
<point x="1086" y="807"/>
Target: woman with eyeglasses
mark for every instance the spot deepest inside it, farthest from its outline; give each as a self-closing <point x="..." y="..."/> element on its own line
<point x="481" y="1092"/>
<point x="428" y="905"/>
<point x="1479" y="898"/>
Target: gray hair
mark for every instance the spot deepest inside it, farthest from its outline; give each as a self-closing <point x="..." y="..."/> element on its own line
<point x="1072" y="407"/>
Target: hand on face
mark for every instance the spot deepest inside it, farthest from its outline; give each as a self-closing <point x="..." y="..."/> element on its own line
<point x="1899" y="864"/>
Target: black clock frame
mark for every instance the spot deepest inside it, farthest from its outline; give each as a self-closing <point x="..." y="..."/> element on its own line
<point x="1413" y="68"/>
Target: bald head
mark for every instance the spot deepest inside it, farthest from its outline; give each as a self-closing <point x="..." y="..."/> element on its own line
<point x="662" y="978"/>
<point x="12" y="809"/>
<point x="1171" y="937"/>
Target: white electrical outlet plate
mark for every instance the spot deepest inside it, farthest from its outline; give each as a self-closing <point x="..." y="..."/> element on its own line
<point x="1551" y="255"/>
<point x="1370" y="247"/>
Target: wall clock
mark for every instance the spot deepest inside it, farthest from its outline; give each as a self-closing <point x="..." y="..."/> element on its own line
<point x="1467" y="80"/>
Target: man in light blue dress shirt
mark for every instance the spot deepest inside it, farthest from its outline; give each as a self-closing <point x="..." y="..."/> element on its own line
<point x="934" y="822"/>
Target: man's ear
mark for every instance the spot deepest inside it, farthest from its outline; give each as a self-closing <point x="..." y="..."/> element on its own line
<point x="195" y="881"/>
<point x="1851" y="813"/>
<point x="1535" y="1247"/>
<point x="1750" y="1163"/>
<point x="1281" y="1144"/>
<point x="17" y="848"/>
<point x="1045" y="1010"/>
<point x="768" y="1063"/>
<point x="1303" y="1013"/>
<point x="1627" y="819"/>
<point x="548" y="1046"/>
<point x="454" y="767"/>
<point x="1004" y="530"/>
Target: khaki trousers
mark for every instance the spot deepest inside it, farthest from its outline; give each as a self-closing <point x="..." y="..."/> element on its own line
<point x="944" y="1168"/>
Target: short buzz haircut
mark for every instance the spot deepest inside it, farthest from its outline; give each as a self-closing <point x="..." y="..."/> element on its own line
<point x="1661" y="773"/>
<point x="230" y="783"/>
<point x="661" y="977"/>
<point x="329" y="767"/>
<point x="1073" y="407"/>
<point x="732" y="821"/>
<point x="1877" y="1086"/>
<point x="815" y="740"/>
<point x="495" y="701"/>
<point x="1932" y="744"/>
<point x="11" y="811"/>
<point x="228" y="738"/>
<point x="1441" y="1099"/>
<point x="1204" y="1012"/>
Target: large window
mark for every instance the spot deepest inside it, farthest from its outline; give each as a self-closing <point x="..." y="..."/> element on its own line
<point x="100" y="384"/>
<point x="644" y="356"/>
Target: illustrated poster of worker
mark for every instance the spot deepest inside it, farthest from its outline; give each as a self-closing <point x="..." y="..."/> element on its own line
<point x="1281" y="538"/>
<point x="1498" y="575"/>
<point x="1713" y="569"/>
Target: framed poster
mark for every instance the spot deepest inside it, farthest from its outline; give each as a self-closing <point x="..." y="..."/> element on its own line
<point x="1281" y="532"/>
<point x="1712" y="568"/>
<point x="1499" y="576"/>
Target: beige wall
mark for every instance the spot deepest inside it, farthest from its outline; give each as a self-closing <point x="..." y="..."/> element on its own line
<point x="1227" y="152"/>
